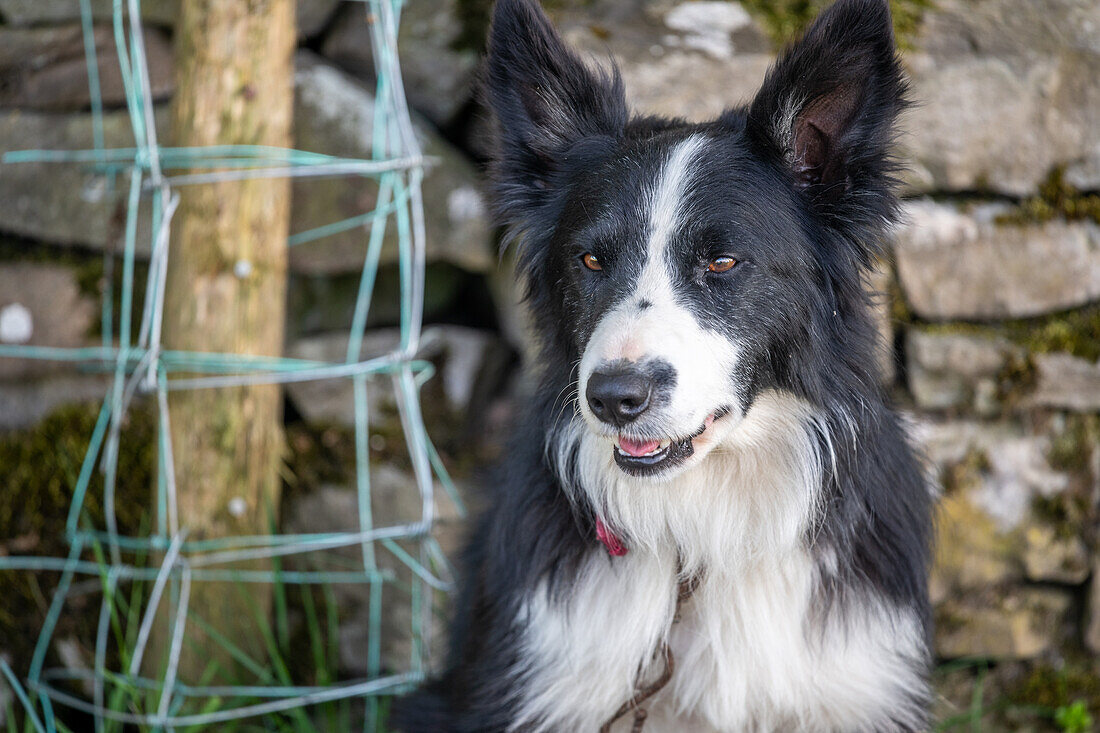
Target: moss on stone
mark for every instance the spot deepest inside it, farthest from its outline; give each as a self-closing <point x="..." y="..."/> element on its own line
<point x="1016" y="379"/>
<point x="782" y="20"/>
<point x="1075" y="332"/>
<point x="785" y="19"/>
<point x="967" y="473"/>
<point x="1072" y="511"/>
<point x="1071" y="449"/>
<point x="1056" y="199"/>
<point x="1068" y="512"/>
<point x="1053" y="687"/>
<point x="38" y="471"/>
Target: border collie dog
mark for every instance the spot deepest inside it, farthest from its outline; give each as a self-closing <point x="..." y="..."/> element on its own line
<point x="708" y="513"/>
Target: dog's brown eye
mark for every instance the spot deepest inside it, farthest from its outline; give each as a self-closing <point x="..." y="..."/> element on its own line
<point x="721" y="264"/>
<point x="591" y="262"/>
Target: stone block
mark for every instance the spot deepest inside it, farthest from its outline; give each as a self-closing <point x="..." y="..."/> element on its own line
<point x="970" y="370"/>
<point x="312" y="16"/>
<point x="1066" y="382"/>
<point x="957" y="371"/>
<point x="65" y="203"/>
<point x="45" y="68"/>
<point x="1055" y="556"/>
<point x="690" y="60"/>
<point x="954" y="264"/>
<point x="70" y="204"/>
<point x="878" y="284"/>
<point x="395" y="499"/>
<point x="42" y="12"/>
<point x="1024" y="623"/>
<point x="1007" y="91"/>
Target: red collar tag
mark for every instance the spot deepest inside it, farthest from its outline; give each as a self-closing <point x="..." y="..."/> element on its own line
<point x="614" y="545"/>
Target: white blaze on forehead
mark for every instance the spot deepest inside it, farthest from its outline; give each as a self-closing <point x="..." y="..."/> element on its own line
<point x="666" y="200"/>
<point x="664" y="208"/>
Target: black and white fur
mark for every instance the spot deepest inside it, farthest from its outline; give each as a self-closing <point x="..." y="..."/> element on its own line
<point x="782" y="481"/>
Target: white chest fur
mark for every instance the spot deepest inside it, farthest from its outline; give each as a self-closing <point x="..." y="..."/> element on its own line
<point x="751" y="652"/>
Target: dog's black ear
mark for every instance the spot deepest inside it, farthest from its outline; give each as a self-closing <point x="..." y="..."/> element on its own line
<point x="544" y="99"/>
<point x="828" y="107"/>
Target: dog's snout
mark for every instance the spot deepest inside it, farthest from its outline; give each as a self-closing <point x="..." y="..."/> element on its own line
<point x="619" y="397"/>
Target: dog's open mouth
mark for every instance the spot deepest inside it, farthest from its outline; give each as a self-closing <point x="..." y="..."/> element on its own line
<point x="649" y="456"/>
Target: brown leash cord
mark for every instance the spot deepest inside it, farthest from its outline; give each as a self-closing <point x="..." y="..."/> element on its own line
<point x="687" y="587"/>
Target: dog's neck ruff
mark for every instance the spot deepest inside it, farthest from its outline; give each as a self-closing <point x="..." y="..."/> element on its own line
<point x="751" y="498"/>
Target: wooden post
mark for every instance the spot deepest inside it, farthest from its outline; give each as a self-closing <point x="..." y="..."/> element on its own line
<point x="226" y="292"/>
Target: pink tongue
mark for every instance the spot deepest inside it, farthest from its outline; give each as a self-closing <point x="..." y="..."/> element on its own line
<point x="637" y="447"/>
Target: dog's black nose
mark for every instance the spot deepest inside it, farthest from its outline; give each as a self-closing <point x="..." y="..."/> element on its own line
<point x="618" y="397"/>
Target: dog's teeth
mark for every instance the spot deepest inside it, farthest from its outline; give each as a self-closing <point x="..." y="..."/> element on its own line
<point x="662" y="445"/>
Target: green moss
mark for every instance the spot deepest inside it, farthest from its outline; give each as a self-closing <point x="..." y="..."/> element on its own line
<point x="782" y="20"/>
<point x="1074" y="717"/>
<point x="1071" y="450"/>
<point x="785" y="19"/>
<point x="1056" y="199"/>
<point x="1075" y="332"/>
<point x="1016" y="379"/>
<point x="967" y="473"/>
<point x="38" y="471"/>
<point x="908" y="15"/>
<point x="959" y="328"/>
<point x="1052" y="688"/>
<point x="947" y="620"/>
<point x="1067" y="511"/>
